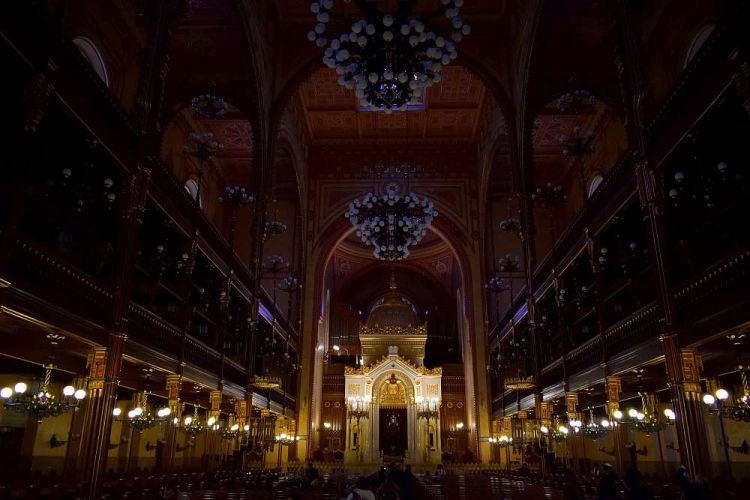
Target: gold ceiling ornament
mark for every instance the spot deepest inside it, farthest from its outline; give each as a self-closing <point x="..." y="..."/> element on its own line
<point x="393" y="330"/>
<point x="520" y="383"/>
<point x="266" y="382"/>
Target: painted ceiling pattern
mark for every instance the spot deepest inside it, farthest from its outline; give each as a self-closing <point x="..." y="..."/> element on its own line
<point x="451" y="110"/>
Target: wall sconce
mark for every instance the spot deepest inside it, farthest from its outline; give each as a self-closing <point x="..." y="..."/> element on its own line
<point x="150" y="447"/>
<point x="743" y="448"/>
<point x="56" y="443"/>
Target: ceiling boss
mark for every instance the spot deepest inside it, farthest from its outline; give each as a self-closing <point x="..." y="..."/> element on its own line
<point x="388" y="58"/>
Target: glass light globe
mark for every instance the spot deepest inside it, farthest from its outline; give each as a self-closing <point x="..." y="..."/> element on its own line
<point x="20" y="388"/>
<point x="605" y="423"/>
<point x="166" y="411"/>
<point x="235" y="427"/>
<point x="632" y="413"/>
<point x="563" y="429"/>
<point x="669" y="413"/>
<point x="211" y="421"/>
<point x="722" y="394"/>
<point x="137" y="411"/>
<point x="188" y="420"/>
<point x="175" y="421"/>
<point x="246" y="428"/>
<point x="640" y="416"/>
<point x="117" y="412"/>
<point x="68" y="390"/>
<point x="617" y="414"/>
<point x="544" y="429"/>
<point x="6" y="392"/>
<point x="131" y="414"/>
<point x="709" y="399"/>
<point x="79" y="394"/>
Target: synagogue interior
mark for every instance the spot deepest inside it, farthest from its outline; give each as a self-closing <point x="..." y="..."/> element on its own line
<point x="394" y="249"/>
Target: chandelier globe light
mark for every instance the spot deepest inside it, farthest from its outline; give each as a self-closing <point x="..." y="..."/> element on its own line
<point x="38" y="400"/>
<point x="391" y="223"/>
<point x="388" y="58"/>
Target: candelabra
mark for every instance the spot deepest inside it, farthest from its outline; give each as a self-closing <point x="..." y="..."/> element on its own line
<point x="577" y="144"/>
<point x="501" y="442"/>
<point x="235" y="197"/>
<point x="143" y="417"/>
<point x="558" y="433"/>
<point x="37" y="401"/>
<point x="427" y="409"/>
<point x="719" y="404"/>
<point x="275" y="264"/>
<point x="192" y="425"/>
<point x="208" y="105"/>
<point x="593" y="430"/>
<point x="509" y="263"/>
<point x="230" y="432"/>
<point x="575" y="101"/>
<point x="497" y="284"/>
<point x="645" y="421"/>
<point x="289" y="284"/>
<point x="202" y="145"/>
<point x="357" y="408"/>
<point x="550" y="195"/>
<point x="510" y="225"/>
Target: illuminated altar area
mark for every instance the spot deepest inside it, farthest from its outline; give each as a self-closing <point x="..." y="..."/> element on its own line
<point x="393" y="401"/>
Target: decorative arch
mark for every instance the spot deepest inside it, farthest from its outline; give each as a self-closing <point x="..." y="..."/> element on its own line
<point x="93" y="55"/>
<point x="594" y="184"/>
<point x="697" y="42"/>
<point x="192" y="188"/>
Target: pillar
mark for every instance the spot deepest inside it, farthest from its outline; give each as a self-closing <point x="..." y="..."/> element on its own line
<point x="104" y="368"/>
<point x="134" y="446"/>
<point x="619" y="432"/>
<point x="213" y="440"/>
<point x="171" y="429"/>
<point x="683" y="379"/>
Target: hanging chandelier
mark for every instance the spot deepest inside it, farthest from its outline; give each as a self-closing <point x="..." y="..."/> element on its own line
<point x="37" y="399"/>
<point x="389" y="59"/>
<point x="391" y="223"/>
<point x="143" y="417"/>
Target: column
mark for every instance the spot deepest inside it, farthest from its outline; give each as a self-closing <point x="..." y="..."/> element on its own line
<point x="544" y="412"/>
<point x="213" y="440"/>
<point x="574" y="439"/>
<point x="131" y="458"/>
<point x="507" y="430"/>
<point x="619" y="432"/>
<point x="683" y="379"/>
<point x="174" y="403"/>
<point x="104" y="368"/>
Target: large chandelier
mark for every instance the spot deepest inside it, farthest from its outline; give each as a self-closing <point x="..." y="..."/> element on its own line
<point x="38" y="401"/>
<point x="389" y="59"/>
<point x="391" y="223"/>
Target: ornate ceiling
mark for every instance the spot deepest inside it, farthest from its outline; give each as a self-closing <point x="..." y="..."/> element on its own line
<point x="451" y="110"/>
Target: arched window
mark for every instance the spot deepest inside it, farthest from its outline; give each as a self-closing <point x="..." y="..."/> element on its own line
<point x="93" y="56"/>
<point x="698" y="41"/>
<point x="594" y="185"/>
<point x="191" y="186"/>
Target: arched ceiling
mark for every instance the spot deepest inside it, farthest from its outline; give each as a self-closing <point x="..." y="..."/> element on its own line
<point x="432" y="258"/>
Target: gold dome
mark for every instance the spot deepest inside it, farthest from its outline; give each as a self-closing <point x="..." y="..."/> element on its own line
<point x="392" y="311"/>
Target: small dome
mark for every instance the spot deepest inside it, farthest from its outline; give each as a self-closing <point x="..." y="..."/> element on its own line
<point x="392" y="311"/>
